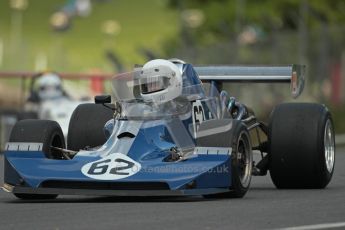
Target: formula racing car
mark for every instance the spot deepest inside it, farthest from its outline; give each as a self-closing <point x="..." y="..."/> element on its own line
<point x="173" y="131"/>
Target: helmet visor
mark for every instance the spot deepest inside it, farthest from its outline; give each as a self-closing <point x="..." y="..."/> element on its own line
<point x="153" y="84"/>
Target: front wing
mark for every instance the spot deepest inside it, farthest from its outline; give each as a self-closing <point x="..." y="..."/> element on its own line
<point x="32" y="173"/>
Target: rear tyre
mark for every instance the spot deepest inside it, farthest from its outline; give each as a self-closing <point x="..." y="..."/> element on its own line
<point x="241" y="157"/>
<point x="86" y="126"/>
<point x="302" y="146"/>
<point x="48" y="133"/>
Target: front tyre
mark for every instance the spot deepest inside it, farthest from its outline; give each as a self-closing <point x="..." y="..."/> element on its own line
<point x="241" y="165"/>
<point x="302" y="146"/>
<point x="86" y="126"/>
<point x="241" y="157"/>
<point x="48" y="133"/>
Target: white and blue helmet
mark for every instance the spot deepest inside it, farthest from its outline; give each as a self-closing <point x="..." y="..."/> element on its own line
<point x="160" y="81"/>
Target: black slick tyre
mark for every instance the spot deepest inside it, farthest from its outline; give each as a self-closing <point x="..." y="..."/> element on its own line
<point x="48" y="133"/>
<point x="241" y="157"/>
<point x="301" y="146"/>
<point x="86" y="126"/>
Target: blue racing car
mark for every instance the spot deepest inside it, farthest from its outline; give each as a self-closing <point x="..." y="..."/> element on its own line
<point x="173" y="131"/>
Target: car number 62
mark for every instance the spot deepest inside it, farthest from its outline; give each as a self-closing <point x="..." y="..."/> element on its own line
<point x="113" y="167"/>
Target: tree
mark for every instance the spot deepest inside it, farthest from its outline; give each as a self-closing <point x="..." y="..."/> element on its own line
<point x="225" y="19"/>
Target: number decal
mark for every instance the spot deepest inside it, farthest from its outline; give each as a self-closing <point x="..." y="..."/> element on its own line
<point x="198" y="115"/>
<point x="113" y="167"/>
<point x="98" y="168"/>
<point x="118" y="170"/>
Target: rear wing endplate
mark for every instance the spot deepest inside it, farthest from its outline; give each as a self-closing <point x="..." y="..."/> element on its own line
<point x="293" y="74"/>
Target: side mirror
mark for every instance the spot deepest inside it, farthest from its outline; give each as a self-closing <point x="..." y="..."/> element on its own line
<point x="102" y="99"/>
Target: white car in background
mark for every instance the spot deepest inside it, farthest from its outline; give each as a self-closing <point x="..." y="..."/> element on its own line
<point x="47" y="100"/>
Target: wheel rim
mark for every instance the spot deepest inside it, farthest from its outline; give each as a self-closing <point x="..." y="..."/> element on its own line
<point x="244" y="159"/>
<point x="329" y="146"/>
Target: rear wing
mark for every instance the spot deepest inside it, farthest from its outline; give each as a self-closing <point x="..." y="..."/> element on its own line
<point x="292" y="74"/>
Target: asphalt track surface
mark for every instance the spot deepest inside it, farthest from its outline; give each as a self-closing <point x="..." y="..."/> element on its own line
<point x="264" y="207"/>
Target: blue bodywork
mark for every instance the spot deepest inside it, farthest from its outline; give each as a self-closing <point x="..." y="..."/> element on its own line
<point x="206" y="171"/>
<point x="150" y="149"/>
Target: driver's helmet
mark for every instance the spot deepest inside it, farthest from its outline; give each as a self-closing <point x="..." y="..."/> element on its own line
<point x="49" y="86"/>
<point x="160" y="81"/>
